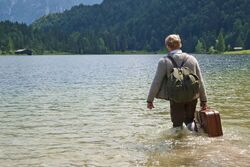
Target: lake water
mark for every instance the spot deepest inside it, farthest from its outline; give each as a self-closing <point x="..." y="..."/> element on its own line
<point x="90" y="110"/>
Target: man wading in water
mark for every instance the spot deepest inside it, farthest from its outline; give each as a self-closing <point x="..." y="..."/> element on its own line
<point x="180" y="111"/>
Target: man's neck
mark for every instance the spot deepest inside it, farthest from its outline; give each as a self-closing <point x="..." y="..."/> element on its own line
<point x="175" y="51"/>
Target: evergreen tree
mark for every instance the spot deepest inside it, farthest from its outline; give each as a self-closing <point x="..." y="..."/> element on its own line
<point x="199" y="48"/>
<point x="247" y="42"/>
<point x="147" y="48"/>
<point x="10" y="45"/>
<point x="239" y="42"/>
<point x="86" y="45"/>
<point x="101" y="47"/>
<point x="220" y="43"/>
<point x="211" y="50"/>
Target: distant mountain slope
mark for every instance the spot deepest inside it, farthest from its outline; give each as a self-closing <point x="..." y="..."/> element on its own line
<point x="29" y="10"/>
<point x="143" y="24"/>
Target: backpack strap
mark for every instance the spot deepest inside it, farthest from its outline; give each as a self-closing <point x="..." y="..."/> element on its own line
<point x="172" y="60"/>
<point x="174" y="63"/>
<point x="185" y="59"/>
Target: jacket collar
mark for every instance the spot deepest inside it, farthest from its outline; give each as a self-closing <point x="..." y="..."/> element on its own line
<point x="177" y="51"/>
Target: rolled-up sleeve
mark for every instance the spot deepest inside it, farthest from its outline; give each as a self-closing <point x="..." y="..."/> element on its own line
<point x="158" y="78"/>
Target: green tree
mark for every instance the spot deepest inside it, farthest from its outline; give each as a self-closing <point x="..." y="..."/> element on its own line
<point x="147" y="47"/>
<point x="199" y="48"/>
<point x="237" y="26"/>
<point x="211" y="50"/>
<point x="86" y="45"/>
<point x="75" y="42"/>
<point x="123" y="42"/>
<point x="247" y="42"/>
<point x="100" y="46"/>
<point x="220" y="43"/>
<point x="10" y="45"/>
<point x="239" y="41"/>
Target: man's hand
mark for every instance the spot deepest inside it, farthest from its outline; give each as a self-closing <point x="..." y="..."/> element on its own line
<point x="150" y="105"/>
<point x="203" y="105"/>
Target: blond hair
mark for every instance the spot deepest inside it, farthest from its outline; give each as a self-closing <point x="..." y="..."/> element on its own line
<point x="173" y="41"/>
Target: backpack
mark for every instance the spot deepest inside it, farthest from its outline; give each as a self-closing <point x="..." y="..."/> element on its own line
<point x="182" y="85"/>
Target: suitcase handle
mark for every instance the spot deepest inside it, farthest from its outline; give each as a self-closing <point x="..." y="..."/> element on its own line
<point x="207" y="109"/>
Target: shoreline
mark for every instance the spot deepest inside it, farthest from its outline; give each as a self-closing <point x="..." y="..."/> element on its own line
<point x="46" y="53"/>
<point x="240" y="52"/>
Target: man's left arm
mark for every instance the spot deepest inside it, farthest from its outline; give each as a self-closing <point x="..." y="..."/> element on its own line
<point x="203" y="94"/>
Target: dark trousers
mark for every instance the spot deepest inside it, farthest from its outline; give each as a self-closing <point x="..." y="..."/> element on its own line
<point x="182" y="112"/>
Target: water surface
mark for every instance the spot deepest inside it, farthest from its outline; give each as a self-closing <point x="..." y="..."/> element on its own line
<point x="90" y="110"/>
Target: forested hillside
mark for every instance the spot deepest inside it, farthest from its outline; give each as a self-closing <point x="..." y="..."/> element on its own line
<point x="119" y="25"/>
<point x="13" y="36"/>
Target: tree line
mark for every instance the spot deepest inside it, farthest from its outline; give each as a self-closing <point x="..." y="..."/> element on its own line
<point x="134" y="25"/>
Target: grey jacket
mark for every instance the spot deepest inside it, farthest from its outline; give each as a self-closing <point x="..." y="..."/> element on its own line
<point x="164" y="68"/>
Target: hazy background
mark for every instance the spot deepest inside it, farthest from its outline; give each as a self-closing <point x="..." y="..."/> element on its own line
<point x="29" y="10"/>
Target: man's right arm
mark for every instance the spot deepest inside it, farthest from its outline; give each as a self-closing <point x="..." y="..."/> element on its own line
<point x="156" y="84"/>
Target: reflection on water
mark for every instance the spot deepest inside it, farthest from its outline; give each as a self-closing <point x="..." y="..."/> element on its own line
<point x="90" y="110"/>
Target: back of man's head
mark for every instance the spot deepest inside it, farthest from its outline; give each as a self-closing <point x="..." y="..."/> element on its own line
<point x="173" y="42"/>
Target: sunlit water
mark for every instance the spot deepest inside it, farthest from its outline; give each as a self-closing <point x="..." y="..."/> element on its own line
<point x="90" y="111"/>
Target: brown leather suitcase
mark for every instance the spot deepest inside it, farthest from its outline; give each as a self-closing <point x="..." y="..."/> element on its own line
<point x="211" y="123"/>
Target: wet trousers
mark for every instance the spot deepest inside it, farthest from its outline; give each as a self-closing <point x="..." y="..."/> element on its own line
<point x="182" y="112"/>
